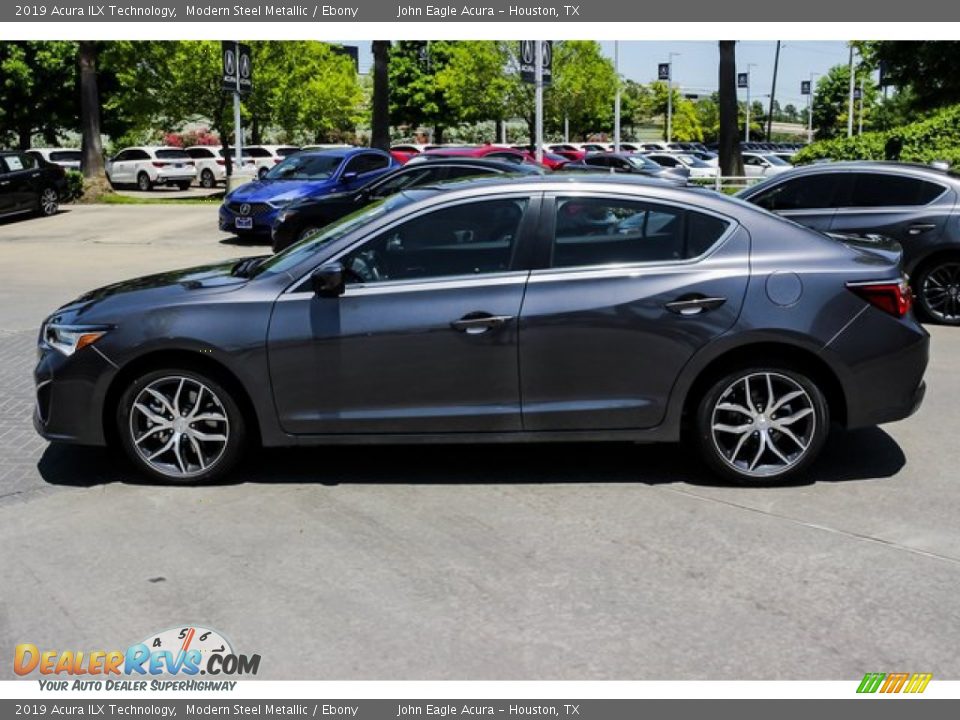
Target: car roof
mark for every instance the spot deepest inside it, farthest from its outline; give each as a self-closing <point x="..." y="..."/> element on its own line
<point x="906" y="168"/>
<point x="462" y="161"/>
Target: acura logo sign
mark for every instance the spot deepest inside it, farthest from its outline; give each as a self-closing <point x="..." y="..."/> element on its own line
<point x="245" y="209"/>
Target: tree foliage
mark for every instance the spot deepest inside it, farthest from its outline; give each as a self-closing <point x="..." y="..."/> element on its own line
<point x="38" y="90"/>
<point x="927" y="68"/>
<point x="831" y="100"/>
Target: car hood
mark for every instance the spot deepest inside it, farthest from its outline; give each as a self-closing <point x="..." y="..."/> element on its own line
<point x="273" y="190"/>
<point x="155" y="290"/>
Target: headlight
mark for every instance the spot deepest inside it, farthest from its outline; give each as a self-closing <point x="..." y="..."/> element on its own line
<point x="67" y="339"/>
<point x="281" y="202"/>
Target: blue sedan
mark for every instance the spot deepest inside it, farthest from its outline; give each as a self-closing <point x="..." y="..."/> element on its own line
<point x="253" y="207"/>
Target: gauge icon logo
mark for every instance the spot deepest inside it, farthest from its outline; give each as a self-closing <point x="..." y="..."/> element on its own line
<point x="181" y="640"/>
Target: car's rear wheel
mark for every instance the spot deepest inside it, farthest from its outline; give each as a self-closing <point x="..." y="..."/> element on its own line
<point x="143" y="182"/>
<point x="762" y="425"/>
<point x="938" y="290"/>
<point x="207" y="180"/>
<point x="49" y="202"/>
<point x="180" y="426"/>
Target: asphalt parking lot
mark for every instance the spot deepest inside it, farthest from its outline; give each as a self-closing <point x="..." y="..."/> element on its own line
<point x="537" y="562"/>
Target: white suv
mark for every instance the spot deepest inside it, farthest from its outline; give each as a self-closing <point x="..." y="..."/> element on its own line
<point x="266" y="156"/>
<point x="211" y="164"/>
<point x="146" y="167"/>
<point x="64" y="157"/>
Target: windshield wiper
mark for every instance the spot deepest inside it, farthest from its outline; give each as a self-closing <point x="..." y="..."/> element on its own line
<point x="247" y="266"/>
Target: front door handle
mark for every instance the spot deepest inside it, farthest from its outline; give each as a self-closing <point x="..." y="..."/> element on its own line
<point x="476" y="323"/>
<point x="920" y="228"/>
<point x="694" y="305"/>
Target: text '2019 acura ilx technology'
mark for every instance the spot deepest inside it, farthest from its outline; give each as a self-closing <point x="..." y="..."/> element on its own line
<point x="533" y="309"/>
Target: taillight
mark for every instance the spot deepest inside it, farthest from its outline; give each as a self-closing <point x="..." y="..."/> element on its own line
<point x="890" y="296"/>
<point x="159" y="164"/>
<point x="221" y="161"/>
<point x="276" y="160"/>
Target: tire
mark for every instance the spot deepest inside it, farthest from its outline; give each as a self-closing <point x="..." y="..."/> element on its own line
<point x="48" y="203"/>
<point x="261" y="172"/>
<point x="143" y="182"/>
<point x="207" y="180"/>
<point x="309" y="230"/>
<point x="184" y="185"/>
<point x="782" y="445"/>
<point x="937" y="289"/>
<point x="180" y="455"/>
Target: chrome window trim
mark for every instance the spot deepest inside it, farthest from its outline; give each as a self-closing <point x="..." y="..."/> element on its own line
<point x="448" y="282"/>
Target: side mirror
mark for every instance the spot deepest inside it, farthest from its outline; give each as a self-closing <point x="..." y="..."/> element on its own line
<point x="327" y="280"/>
<point x="348" y="176"/>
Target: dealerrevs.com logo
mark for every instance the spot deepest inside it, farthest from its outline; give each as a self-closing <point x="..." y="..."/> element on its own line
<point x="186" y="651"/>
<point x="899" y="682"/>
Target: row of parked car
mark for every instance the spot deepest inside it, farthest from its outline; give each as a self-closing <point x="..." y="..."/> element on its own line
<point x="916" y="205"/>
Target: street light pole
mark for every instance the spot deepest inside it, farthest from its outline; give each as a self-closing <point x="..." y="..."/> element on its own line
<point x="746" y="133"/>
<point x="670" y="57"/>
<point x="538" y="76"/>
<point x="860" y="128"/>
<point x="810" y="110"/>
<point x="616" y="100"/>
<point x="853" y="81"/>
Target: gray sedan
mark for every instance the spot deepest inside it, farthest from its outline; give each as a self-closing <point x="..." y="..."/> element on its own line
<point x="549" y="309"/>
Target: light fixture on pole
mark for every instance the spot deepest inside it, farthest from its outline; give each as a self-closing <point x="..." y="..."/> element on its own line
<point x="665" y="72"/>
<point x="746" y="131"/>
<point x="806" y="88"/>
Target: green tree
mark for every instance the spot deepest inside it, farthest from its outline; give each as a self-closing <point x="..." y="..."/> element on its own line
<point x="927" y="67"/>
<point x="685" y="125"/>
<point x="416" y="98"/>
<point x="831" y="101"/>
<point x="583" y="88"/>
<point x="37" y="90"/>
<point x="475" y="81"/>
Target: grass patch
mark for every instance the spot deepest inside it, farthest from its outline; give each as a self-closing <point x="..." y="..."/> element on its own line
<point x="115" y="199"/>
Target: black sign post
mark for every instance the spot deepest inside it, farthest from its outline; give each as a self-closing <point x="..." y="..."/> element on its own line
<point x="804" y="87"/>
<point x="743" y="80"/>
<point x="528" y="60"/>
<point x="663" y="71"/>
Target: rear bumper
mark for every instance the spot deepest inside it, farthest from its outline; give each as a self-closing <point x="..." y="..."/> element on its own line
<point x="884" y="360"/>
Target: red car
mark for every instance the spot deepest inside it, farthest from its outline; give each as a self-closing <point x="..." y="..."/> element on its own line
<point x="570" y="152"/>
<point x="551" y="160"/>
<point x="401" y="156"/>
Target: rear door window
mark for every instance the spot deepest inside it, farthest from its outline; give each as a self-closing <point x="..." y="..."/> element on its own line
<point x="602" y="231"/>
<point x="883" y="190"/>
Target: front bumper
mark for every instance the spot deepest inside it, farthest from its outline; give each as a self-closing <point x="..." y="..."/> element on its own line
<point x="262" y="217"/>
<point x="70" y="393"/>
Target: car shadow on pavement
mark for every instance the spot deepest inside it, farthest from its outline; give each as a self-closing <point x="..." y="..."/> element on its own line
<point x="866" y="454"/>
<point x="245" y="241"/>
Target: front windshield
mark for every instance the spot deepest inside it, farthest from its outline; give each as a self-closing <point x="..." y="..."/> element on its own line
<point x="313" y="244"/>
<point x="774" y="160"/>
<point x="306" y="167"/>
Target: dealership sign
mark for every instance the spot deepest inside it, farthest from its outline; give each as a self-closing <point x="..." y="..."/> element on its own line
<point x="528" y="60"/>
<point x="237" y="67"/>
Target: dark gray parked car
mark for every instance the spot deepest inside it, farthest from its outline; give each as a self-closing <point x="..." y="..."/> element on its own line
<point x="535" y="309"/>
<point x="916" y="205"/>
<point x="629" y="164"/>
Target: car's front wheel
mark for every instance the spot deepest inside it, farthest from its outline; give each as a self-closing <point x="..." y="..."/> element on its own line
<point x="762" y="425"/>
<point x="143" y="182"/>
<point x="938" y="290"/>
<point x="180" y="426"/>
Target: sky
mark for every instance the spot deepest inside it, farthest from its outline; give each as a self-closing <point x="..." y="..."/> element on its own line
<point x="695" y="68"/>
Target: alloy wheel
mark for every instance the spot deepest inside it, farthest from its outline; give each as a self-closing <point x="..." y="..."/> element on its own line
<point x="940" y="291"/>
<point x="179" y="427"/>
<point x="49" y="201"/>
<point x="763" y="424"/>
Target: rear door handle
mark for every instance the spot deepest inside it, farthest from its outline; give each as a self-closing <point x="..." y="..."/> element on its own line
<point x="476" y="323"/>
<point x="920" y="228"/>
<point x="694" y="305"/>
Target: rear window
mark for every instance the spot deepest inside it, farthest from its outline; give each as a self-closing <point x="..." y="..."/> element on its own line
<point x="881" y="190"/>
<point x="256" y="152"/>
<point x="172" y="155"/>
<point x="65" y="156"/>
<point x="284" y="151"/>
